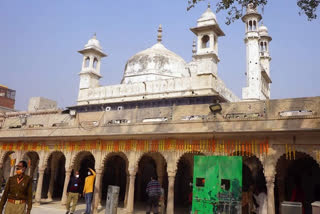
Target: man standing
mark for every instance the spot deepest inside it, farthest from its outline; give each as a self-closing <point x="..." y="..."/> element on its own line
<point x="18" y="192"/>
<point x="73" y="192"/>
<point x="88" y="189"/>
<point x="154" y="191"/>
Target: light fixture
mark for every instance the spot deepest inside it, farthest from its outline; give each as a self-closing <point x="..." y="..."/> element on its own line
<point x="72" y="112"/>
<point x="215" y="108"/>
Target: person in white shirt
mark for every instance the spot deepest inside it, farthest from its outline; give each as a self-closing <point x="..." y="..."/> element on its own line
<point x="261" y="198"/>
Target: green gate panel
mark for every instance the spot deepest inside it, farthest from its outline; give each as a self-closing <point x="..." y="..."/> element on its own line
<point x="217" y="185"/>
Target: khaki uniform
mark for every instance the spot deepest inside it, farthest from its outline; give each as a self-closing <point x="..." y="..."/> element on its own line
<point x="72" y="197"/>
<point x="17" y="195"/>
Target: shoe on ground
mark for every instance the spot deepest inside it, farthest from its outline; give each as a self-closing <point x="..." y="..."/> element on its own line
<point x="67" y="212"/>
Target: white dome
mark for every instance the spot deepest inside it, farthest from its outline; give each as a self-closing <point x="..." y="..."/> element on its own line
<point x="207" y="18"/>
<point x="154" y="63"/>
<point x="263" y="30"/>
<point x="93" y="43"/>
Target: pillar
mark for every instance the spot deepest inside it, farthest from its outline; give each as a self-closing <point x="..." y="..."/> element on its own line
<point x="39" y="187"/>
<point x="65" y="186"/>
<point x="127" y="190"/>
<point x="51" y="184"/>
<point x="96" y="194"/>
<point x="270" y="189"/>
<point x="131" y="192"/>
<point x="170" y="201"/>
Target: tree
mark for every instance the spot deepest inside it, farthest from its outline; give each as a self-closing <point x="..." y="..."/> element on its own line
<point x="235" y="8"/>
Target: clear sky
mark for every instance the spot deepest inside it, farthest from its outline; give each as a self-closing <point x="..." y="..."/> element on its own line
<point x="39" y="41"/>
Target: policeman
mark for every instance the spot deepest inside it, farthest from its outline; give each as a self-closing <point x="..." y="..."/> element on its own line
<point x="18" y="192"/>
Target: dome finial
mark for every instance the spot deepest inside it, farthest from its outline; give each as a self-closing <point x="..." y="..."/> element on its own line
<point x="159" y="34"/>
<point x="209" y="4"/>
<point x="94" y="36"/>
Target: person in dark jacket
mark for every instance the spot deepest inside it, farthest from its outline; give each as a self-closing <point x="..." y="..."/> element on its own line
<point x="154" y="192"/>
<point x="73" y="192"/>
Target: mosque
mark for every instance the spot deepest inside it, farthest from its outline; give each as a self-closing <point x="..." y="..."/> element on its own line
<point x="163" y="113"/>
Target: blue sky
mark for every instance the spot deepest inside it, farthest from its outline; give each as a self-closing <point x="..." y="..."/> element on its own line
<point x="39" y="41"/>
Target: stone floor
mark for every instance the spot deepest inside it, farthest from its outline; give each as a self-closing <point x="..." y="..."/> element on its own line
<point x="54" y="207"/>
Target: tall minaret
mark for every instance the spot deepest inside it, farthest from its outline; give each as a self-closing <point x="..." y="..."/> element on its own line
<point x="207" y="32"/>
<point x="265" y="60"/>
<point x="90" y="71"/>
<point x="253" y="72"/>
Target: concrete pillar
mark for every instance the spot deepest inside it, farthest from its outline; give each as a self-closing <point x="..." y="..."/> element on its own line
<point x="270" y="189"/>
<point x="127" y="190"/>
<point x="65" y="186"/>
<point x="96" y="194"/>
<point x="130" y="201"/>
<point x="170" y="201"/>
<point x="39" y="187"/>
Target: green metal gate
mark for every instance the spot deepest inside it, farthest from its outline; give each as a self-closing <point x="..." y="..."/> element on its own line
<point x="217" y="185"/>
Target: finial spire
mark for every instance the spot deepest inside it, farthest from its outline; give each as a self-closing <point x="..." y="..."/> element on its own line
<point x="94" y="36"/>
<point x="194" y="49"/>
<point x="209" y="4"/>
<point x="159" y="34"/>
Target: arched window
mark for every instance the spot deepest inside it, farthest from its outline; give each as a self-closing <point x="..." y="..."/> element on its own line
<point x="265" y="46"/>
<point x="87" y="62"/>
<point x="95" y="61"/>
<point x="254" y="25"/>
<point x="205" y="41"/>
<point x="261" y="46"/>
<point x="250" y="25"/>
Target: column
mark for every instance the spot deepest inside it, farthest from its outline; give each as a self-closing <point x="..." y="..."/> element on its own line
<point x="51" y="185"/>
<point x="130" y="201"/>
<point x="65" y="186"/>
<point x="127" y="190"/>
<point x="170" y="201"/>
<point x="39" y="187"/>
<point x="96" y="194"/>
<point x="270" y="189"/>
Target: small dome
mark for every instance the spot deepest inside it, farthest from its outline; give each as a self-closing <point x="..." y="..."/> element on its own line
<point x="207" y="18"/>
<point x="154" y="63"/>
<point x="93" y="43"/>
<point x="263" y="30"/>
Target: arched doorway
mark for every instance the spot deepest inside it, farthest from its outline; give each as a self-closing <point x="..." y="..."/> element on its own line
<point x="183" y="182"/>
<point x="150" y="165"/>
<point x="54" y="176"/>
<point x="297" y="180"/>
<point x="83" y="161"/>
<point x="115" y="173"/>
<point x="32" y="158"/>
<point x="253" y="182"/>
<point x="7" y="167"/>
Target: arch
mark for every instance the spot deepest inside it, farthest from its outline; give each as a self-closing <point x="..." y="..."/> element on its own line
<point x="33" y="159"/>
<point x="183" y="179"/>
<point x="81" y="162"/>
<point x="95" y="62"/>
<point x="205" y="41"/>
<point x="254" y="25"/>
<point x="261" y="47"/>
<point x="250" y="25"/>
<point x="115" y="172"/>
<point x="301" y="175"/>
<point x="150" y="164"/>
<point x="87" y="62"/>
<point x="54" y="175"/>
<point x="7" y="169"/>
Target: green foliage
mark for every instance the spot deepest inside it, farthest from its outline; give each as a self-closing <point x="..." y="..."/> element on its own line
<point x="236" y="8"/>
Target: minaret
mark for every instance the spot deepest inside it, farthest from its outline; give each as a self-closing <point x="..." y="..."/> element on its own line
<point x="253" y="71"/>
<point x="206" y="54"/>
<point x="265" y="60"/>
<point x="90" y="71"/>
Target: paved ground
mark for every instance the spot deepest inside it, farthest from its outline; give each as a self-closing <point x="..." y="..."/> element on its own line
<point x="56" y="208"/>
